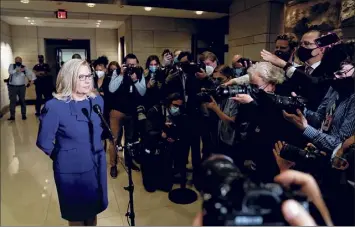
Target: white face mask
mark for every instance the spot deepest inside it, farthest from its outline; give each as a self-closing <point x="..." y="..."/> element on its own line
<point x="209" y="70"/>
<point x="100" y="74"/>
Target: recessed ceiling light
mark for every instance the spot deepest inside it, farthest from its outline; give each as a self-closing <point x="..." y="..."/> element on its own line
<point x="29" y="21"/>
<point x="25" y="1"/>
<point x="199" y="12"/>
<point x="91" y="5"/>
<point x="98" y="21"/>
<point x="97" y="26"/>
<point x="148" y="8"/>
<point x="26" y="18"/>
<point x="32" y="23"/>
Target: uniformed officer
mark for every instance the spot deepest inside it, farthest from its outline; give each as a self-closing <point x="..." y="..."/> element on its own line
<point x="44" y="86"/>
<point x="17" y="86"/>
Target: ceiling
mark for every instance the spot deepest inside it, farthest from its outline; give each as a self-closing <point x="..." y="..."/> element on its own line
<point x="53" y="22"/>
<point x="112" y="9"/>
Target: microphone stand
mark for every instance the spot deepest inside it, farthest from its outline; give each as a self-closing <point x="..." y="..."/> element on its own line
<point x="128" y="153"/>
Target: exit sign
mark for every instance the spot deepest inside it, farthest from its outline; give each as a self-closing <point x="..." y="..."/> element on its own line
<point x="62" y="14"/>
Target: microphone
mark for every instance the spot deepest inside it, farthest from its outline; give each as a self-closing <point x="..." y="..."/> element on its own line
<point x="97" y="109"/>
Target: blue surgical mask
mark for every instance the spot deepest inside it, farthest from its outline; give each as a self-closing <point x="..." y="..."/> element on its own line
<point x="153" y="69"/>
<point x="238" y="71"/>
<point x="176" y="60"/>
<point x="175" y="111"/>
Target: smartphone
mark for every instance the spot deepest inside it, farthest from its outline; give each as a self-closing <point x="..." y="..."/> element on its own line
<point x="327" y="40"/>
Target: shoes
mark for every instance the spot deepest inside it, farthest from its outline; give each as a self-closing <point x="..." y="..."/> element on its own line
<point x="11" y="119"/>
<point x="24" y="117"/>
<point x="114" y="172"/>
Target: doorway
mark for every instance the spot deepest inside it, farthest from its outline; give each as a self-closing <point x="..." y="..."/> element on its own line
<point x="122" y="49"/>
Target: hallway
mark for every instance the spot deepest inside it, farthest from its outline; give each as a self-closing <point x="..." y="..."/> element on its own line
<point x="29" y="196"/>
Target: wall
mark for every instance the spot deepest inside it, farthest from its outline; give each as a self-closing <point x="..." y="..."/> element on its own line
<point x="151" y="35"/>
<point x="6" y="59"/>
<point x="253" y="26"/>
<point x="28" y="42"/>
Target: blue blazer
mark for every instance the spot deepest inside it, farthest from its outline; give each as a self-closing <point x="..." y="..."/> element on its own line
<point x="64" y="134"/>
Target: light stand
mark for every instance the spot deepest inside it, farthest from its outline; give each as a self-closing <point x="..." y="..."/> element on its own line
<point x="128" y="161"/>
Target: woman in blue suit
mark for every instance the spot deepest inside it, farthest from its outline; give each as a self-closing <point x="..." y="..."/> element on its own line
<point x="70" y="134"/>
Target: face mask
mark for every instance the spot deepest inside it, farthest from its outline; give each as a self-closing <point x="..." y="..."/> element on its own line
<point x="100" y="74"/>
<point x="209" y="70"/>
<point x="175" y="111"/>
<point x="217" y="82"/>
<point x="18" y="63"/>
<point x="40" y="60"/>
<point x="283" y="55"/>
<point x="305" y="54"/>
<point x="344" y="85"/>
<point x="176" y="60"/>
<point x="238" y="71"/>
<point x="153" y="69"/>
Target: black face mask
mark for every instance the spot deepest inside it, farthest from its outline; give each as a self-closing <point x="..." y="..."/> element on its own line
<point x="343" y="86"/>
<point x="305" y="54"/>
<point x="283" y="55"/>
<point x="18" y="63"/>
<point x="41" y="60"/>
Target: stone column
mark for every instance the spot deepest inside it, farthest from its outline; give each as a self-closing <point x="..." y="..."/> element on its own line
<point x="253" y="26"/>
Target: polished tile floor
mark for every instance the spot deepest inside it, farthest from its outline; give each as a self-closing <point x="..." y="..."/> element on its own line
<point x="29" y="196"/>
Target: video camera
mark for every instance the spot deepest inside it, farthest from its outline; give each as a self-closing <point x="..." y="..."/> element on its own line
<point x="131" y="70"/>
<point x="230" y="198"/>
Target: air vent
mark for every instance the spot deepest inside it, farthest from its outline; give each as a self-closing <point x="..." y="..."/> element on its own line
<point x="65" y="22"/>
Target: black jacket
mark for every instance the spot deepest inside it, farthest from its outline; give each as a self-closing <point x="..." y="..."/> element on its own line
<point x="313" y="87"/>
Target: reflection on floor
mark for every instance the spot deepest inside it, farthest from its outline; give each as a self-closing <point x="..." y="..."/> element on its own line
<point x="29" y="196"/>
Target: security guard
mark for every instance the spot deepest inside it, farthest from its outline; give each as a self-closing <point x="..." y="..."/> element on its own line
<point x="17" y="86"/>
<point x="44" y="85"/>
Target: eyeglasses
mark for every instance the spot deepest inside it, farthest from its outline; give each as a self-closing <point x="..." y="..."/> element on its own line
<point x="342" y="73"/>
<point x="307" y="44"/>
<point x="85" y="77"/>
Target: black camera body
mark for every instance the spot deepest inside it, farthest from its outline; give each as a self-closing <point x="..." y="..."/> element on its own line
<point x="171" y="131"/>
<point x="297" y="155"/>
<point x="289" y="104"/>
<point x="191" y="68"/>
<point x="131" y="70"/>
<point x="231" y="199"/>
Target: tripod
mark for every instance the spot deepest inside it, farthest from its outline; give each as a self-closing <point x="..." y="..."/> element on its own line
<point x="128" y="153"/>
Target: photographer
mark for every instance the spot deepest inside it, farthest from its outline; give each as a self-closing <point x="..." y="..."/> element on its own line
<point x="128" y="88"/>
<point x="263" y="120"/>
<point x="164" y="132"/>
<point x="226" y="111"/>
<point x="155" y="78"/>
<point x="334" y="121"/>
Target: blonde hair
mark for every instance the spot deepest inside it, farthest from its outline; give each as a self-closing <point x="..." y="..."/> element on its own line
<point x="67" y="79"/>
<point x="268" y="72"/>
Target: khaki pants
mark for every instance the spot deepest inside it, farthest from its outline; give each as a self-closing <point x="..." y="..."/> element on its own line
<point x="118" y="120"/>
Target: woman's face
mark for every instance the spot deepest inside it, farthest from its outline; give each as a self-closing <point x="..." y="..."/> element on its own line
<point x="84" y="83"/>
<point x="113" y="68"/>
<point x="153" y="63"/>
<point x="209" y="62"/>
<point x="100" y="68"/>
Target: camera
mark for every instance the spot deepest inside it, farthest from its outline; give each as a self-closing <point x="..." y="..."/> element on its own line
<point x="230" y="198"/>
<point x="137" y="70"/>
<point x="171" y="131"/>
<point x="289" y="104"/>
<point x="191" y="68"/>
<point x="297" y="155"/>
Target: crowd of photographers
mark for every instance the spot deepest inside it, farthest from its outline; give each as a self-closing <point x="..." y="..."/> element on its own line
<point x="293" y="110"/>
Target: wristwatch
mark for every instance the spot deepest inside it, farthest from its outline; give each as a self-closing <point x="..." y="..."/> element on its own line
<point x="288" y="65"/>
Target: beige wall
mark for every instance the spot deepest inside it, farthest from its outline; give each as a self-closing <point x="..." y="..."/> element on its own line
<point x="6" y="59"/>
<point x="151" y="35"/>
<point x="28" y="42"/>
<point x="253" y="26"/>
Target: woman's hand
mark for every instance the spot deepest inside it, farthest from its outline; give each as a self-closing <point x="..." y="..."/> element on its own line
<point x="293" y="212"/>
<point x="282" y="163"/>
<point x="212" y="105"/>
<point x="243" y="98"/>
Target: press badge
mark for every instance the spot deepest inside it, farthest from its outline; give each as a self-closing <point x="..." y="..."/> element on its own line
<point x="327" y="123"/>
